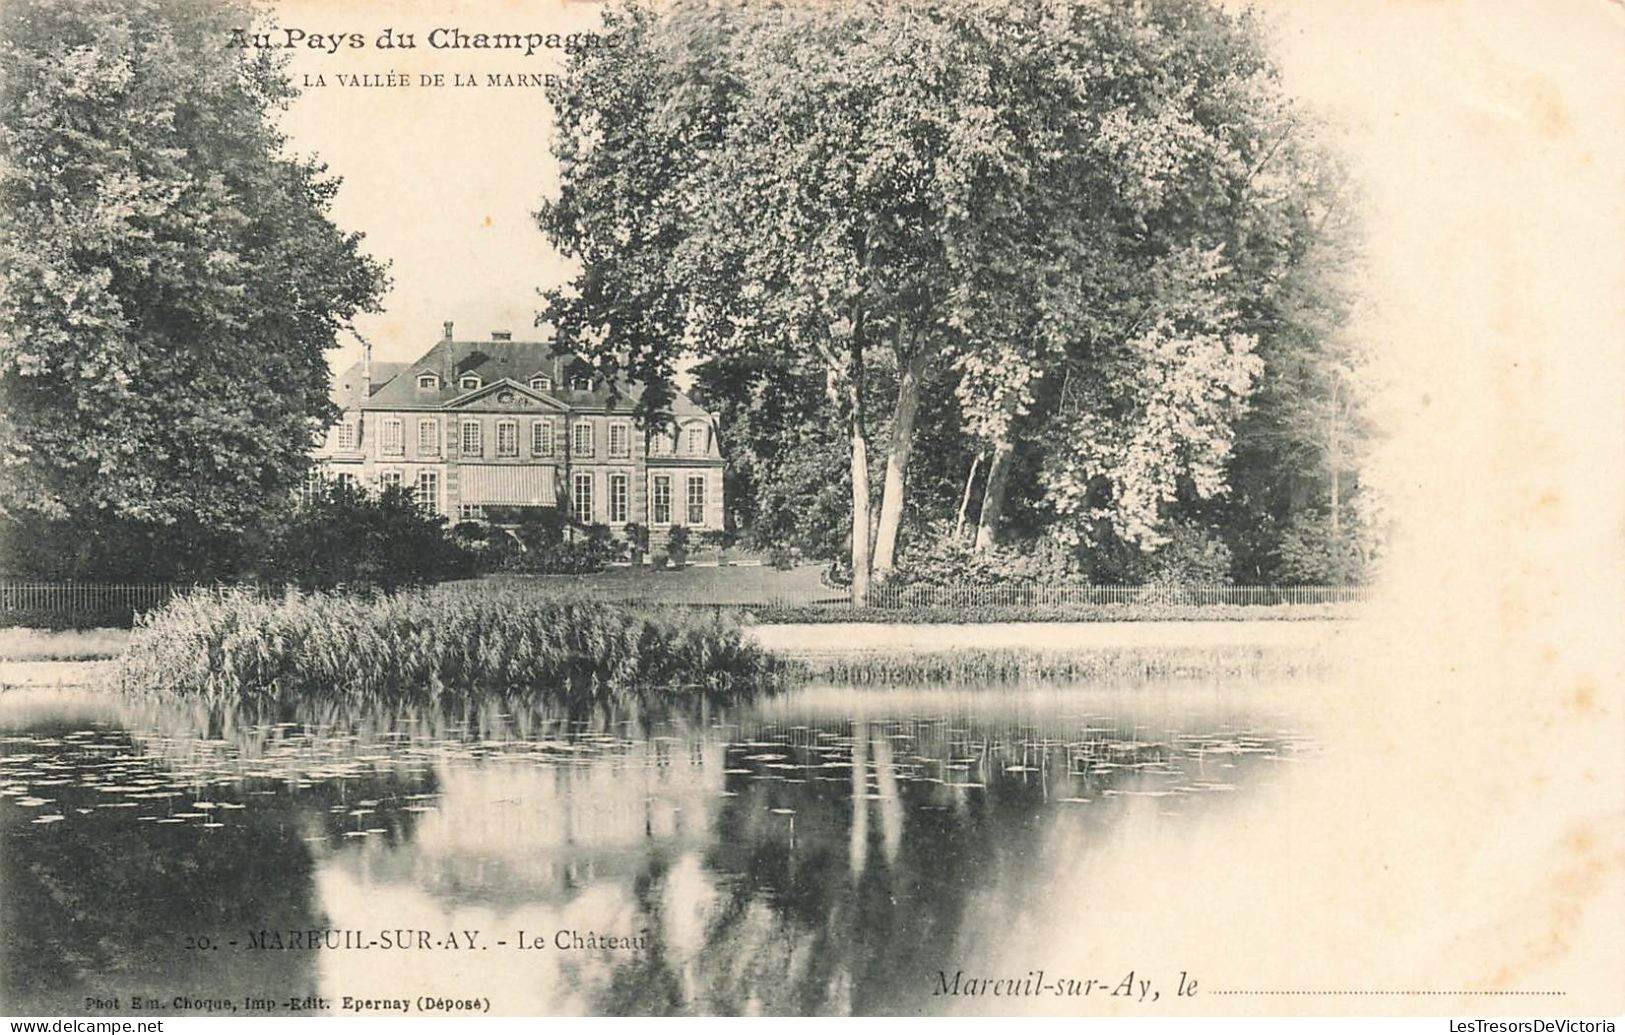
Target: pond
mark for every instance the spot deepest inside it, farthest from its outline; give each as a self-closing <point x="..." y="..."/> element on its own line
<point x="826" y="851"/>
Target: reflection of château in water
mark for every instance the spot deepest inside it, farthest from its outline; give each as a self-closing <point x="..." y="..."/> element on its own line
<point x="773" y="858"/>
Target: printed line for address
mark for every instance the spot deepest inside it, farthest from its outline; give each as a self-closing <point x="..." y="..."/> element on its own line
<point x="1361" y="991"/>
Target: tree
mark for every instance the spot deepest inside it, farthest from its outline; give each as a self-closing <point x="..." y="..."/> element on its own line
<point x="169" y="284"/>
<point x="1055" y="206"/>
<point x="750" y="181"/>
<point x="1125" y="352"/>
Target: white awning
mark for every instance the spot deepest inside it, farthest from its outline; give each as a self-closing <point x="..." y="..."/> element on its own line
<point x="507" y="485"/>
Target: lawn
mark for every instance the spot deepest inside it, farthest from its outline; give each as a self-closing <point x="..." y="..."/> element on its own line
<point x="720" y="586"/>
<point x="61" y="644"/>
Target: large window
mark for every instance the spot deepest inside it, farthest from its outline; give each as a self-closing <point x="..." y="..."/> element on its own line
<point x="541" y="437"/>
<point x="347" y="435"/>
<point x="618" y="497"/>
<point x="394" y="437"/>
<point x="620" y="439"/>
<point x="389" y="479"/>
<point x="660" y="501"/>
<point x="581" y="438"/>
<point x="472" y="445"/>
<point x="581" y="498"/>
<point x="507" y="438"/>
<point x="696" y="499"/>
<point x="349" y="480"/>
<point x="428" y="491"/>
<point x="428" y="437"/>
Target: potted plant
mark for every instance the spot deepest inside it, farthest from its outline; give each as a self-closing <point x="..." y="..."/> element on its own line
<point x="599" y="545"/>
<point x="637" y="542"/>
<point x="677" y="545"/>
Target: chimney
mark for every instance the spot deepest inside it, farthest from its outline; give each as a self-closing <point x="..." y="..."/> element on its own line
<point x="502" y="336"/>
<point x="445" y="331"/>
<point x="366" y="369"/>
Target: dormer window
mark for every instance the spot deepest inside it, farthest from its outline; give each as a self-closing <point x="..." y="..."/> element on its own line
<point x="581" y="384"/>
<point x="541" y="384"/>
<point x="469" y="382"/>
<point x="694" y="440"/>
<point x="428" y="382"/>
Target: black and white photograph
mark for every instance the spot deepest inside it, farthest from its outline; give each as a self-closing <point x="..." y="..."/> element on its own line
<point x="924" y="508"/>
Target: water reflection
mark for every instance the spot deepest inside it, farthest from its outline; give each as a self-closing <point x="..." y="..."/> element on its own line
<point x="823" y="852"/>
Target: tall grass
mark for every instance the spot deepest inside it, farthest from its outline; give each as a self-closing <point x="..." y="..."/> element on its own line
<point x="427" y="646"/>
<point x="1021" y="665"/>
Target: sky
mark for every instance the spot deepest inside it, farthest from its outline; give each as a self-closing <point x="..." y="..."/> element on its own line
<point x="442" y="181"/>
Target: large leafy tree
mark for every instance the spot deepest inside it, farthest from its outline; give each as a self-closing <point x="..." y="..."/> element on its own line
<point x="744" y="181"/>
<point x="169" y="284"/>
<point x="1059" y="208"/>
<point x="1124" y="350"/>
<point x="1297" y="510"/>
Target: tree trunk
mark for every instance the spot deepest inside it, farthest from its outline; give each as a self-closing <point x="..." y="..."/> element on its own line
<point x="860" y="473"/>
<point x="964" y="501"/>
<point x="998" y="473"/>
<point x="860" y="515"/>
<point x="898" y="451"/>
<point x="1335" y="459"/>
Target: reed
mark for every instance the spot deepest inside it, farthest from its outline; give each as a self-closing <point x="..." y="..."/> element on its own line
<point x="238" y="646"/>
<point x="1016" y="665"/>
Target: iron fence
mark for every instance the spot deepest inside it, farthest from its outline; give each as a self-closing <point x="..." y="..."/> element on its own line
<point x="88" y="604"/>
<point x="81" y="604"/>
<point x="728" y="593"/>
<point x="1062" y="596"/>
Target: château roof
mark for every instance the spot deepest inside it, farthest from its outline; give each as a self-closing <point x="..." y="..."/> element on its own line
<point x="347" y="388"/>
<point x="395" y="385"/>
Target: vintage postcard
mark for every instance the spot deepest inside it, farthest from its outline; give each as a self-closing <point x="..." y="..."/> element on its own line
<point x="1103" y="508"/>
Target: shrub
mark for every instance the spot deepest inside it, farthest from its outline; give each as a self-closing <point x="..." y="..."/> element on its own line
<point x="677" y="545"/>
<point x="568" y="557"/>
<point x="1192" y="557"/>
<point x="941" y="561"/>
<point x="537" y="529"/>
<point x="537" y="543"/>
<point x="601" y="541"/>
<point x="345" y="536"/>
<point x="1310" y="554"/>
<point x="637" y="540"/>
<point x="419" y="646"/>
<point x="493" y="548"/>
<point x="720" y="538"/>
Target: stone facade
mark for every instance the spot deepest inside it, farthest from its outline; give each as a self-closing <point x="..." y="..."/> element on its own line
<point x="473" y="425"/>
